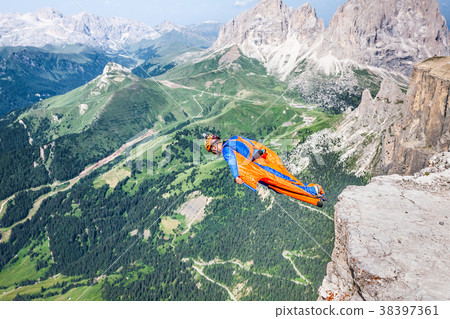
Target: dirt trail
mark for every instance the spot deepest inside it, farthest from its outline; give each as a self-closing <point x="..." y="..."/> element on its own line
<point x="286" y="255"/>
<point x="246" y="267"/>
<point x="175" y="85"/>
<point x="201" y="112"/>
<point x="220" y="262"/>
<point x="215" y="282"/>
<point x="114" y="155"/>
<point x="4" y="203"/>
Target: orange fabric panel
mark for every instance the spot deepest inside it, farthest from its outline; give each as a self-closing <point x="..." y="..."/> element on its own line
<point x="270" y="159"/>
<point x="307" y="199"/>
<point x="251" y="173"/>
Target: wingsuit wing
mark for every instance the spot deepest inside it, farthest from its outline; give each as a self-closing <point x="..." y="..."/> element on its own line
<point x="269" y="169"/>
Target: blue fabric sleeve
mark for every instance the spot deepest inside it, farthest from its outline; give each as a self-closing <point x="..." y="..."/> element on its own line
<point x="229" y="156"/>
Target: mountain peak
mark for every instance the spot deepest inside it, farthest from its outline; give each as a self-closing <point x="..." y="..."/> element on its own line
<point x="167" y="26"/>
<point x="272" y="2"/>
<point x="48" y="13"/>
<point x="269" y="5"/>
<point x="307" y="5"/>
<point x="390" y="90"/>
<point x="210" y="22"/>
<point x="273" y="33"/>
<point x="366" y="97"/>
<point x="113" y="67"/>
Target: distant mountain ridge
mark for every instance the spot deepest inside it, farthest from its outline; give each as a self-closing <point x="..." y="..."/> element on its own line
<point x="47" y="26"/>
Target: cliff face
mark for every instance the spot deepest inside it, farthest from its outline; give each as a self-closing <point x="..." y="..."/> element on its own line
<point x="393" y="238"/>
<point x="394" y="133"/>
<point x="425" y="125"/>
<point x="366" y="133"/>
<point x="388" y="34"/>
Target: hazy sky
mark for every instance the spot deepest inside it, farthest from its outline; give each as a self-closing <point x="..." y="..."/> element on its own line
<point x="178" y="11"/>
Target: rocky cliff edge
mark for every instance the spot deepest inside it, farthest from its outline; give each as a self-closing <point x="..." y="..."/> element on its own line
<point x="393" y="238"/>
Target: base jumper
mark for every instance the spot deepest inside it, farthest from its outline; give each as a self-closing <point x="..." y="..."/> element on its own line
<point x="252" y="163"/>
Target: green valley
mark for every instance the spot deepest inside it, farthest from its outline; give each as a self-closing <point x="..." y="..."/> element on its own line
<point x="126" y="214"/>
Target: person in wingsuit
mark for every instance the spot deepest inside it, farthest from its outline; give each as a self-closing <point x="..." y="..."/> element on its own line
<point x="251" y="162"/>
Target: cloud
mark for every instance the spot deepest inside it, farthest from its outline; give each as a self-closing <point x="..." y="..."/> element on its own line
<point x="243" y="3"/>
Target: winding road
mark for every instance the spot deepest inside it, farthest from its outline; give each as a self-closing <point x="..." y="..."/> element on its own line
<point x="286" y="255"/>
<point x="215" y="282"/>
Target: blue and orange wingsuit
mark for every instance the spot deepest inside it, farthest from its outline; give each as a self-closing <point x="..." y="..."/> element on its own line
<point x="253" y="163"/>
